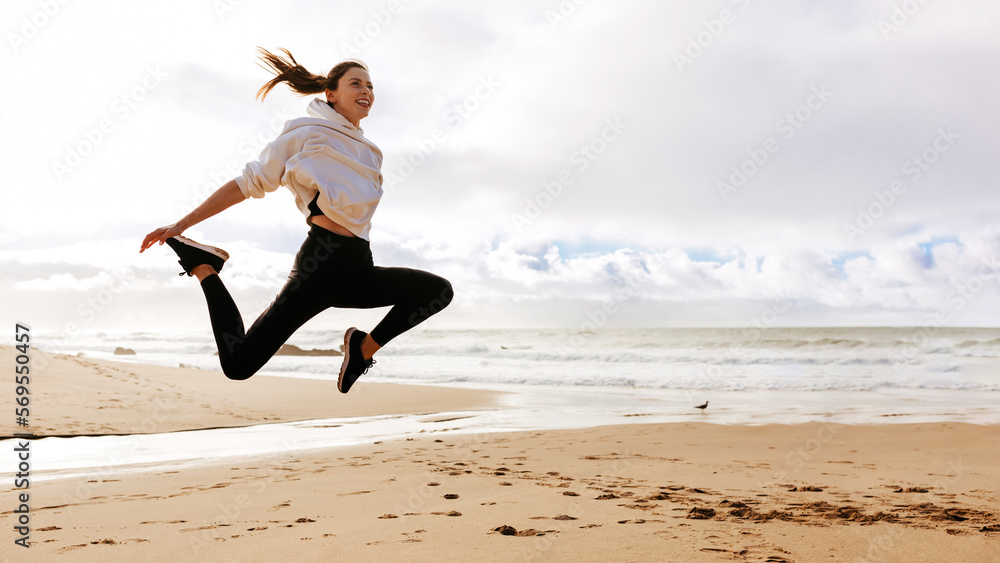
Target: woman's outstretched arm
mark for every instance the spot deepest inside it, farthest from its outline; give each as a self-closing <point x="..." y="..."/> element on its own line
<point x="223" y="198"/>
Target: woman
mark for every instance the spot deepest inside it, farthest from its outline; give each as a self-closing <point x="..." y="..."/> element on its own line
<point x="334" y="173"/>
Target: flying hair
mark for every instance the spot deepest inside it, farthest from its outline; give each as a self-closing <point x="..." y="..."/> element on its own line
<point x="286" y="69"/>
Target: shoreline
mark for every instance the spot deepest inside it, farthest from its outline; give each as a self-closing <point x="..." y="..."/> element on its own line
<point x="82" y="396"/>
<point x="85" y="396"/>
<point x="147" y="416"/>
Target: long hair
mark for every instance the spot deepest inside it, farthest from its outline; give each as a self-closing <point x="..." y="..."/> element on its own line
<point x="300" y="80"/>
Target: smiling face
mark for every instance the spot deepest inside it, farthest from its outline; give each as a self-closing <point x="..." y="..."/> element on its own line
<point x="354" y="95"/>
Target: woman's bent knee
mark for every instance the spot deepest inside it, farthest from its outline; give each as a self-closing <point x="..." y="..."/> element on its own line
<point x="445" y="294"/>
<point x="236" y="373"/>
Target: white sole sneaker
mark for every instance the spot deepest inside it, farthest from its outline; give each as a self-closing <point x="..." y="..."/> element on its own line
<point x="207" y="248"/>
<point x="193" y="254"/>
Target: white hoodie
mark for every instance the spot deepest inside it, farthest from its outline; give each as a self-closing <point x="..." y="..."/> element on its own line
<point x="323" y="154"/>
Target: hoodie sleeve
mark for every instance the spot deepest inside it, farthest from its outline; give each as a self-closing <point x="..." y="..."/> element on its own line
<point x="266" y="173"/>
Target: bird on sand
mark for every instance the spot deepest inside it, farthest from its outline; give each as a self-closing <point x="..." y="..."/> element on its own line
<point x="702" y="407"/>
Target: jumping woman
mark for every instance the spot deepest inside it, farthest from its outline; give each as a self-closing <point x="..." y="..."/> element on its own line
<point x="333" y="170"/>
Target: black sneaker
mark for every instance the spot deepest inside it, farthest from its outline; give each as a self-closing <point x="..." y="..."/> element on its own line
<point x="193" y="254"/>
<point x="355" y="365"/>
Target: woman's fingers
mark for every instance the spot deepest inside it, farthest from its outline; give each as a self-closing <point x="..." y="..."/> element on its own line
<point x="155" y="236"/>
<point x="160" y="235"/>
<point x="147" y="242"/>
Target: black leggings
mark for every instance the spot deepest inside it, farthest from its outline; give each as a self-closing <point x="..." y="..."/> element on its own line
<point x="330" y="270"/>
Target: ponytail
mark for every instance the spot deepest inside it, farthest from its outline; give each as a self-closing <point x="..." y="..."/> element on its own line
<point x="300" y="80"/>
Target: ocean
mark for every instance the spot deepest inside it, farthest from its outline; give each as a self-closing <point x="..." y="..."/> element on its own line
<point x="776" y="359"/>
<point x="568" y="379"/>
<point x="913" y="369"/>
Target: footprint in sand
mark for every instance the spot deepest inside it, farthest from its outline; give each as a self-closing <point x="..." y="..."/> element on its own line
<point x="210" y="527"/>
<point x="805" y="489"/>
<point x="511" y="531"/>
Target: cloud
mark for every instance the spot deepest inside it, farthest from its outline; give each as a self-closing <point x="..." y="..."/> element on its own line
<point x="914" y="279"/>
<point x="496" y="118"/>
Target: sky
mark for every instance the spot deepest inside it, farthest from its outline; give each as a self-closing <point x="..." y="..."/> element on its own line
<point x="565" y="163"/>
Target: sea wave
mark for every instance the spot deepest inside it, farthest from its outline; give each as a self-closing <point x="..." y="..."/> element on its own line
<point x="704" y="359"/>
<point x="695" y="383"/>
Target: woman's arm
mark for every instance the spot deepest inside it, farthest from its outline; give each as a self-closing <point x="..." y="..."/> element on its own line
<point x="223" y="198"/>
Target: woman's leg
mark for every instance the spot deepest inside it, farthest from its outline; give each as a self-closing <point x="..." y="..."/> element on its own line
<point x="242" y="353"/>
<point x="330" y="271"/>
<point x="415" y="296"/>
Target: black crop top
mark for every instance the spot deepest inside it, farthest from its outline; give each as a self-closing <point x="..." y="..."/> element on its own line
<point x="314" y="209"/>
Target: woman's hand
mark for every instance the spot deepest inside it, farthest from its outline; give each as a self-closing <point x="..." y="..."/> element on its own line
<point x="160" y="235"/>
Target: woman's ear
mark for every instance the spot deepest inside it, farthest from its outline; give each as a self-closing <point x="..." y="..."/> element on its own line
<point x="329" y="96"/>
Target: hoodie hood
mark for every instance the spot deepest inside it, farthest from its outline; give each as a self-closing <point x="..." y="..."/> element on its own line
<point x="323" y="115"/>
<point x="320" y="109"/>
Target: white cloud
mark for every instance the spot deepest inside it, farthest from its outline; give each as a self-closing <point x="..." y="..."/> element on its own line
<point x="915" y="278"/>
<point x="630" y="217"/>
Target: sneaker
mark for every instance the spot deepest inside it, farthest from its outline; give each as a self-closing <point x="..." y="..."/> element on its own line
<point x="194" y="254"/>
<point x="355" y="365"/>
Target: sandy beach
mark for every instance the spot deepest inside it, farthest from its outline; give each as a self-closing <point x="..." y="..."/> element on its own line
<point x="636" y="492"/>
<point x="78" y="396"/>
